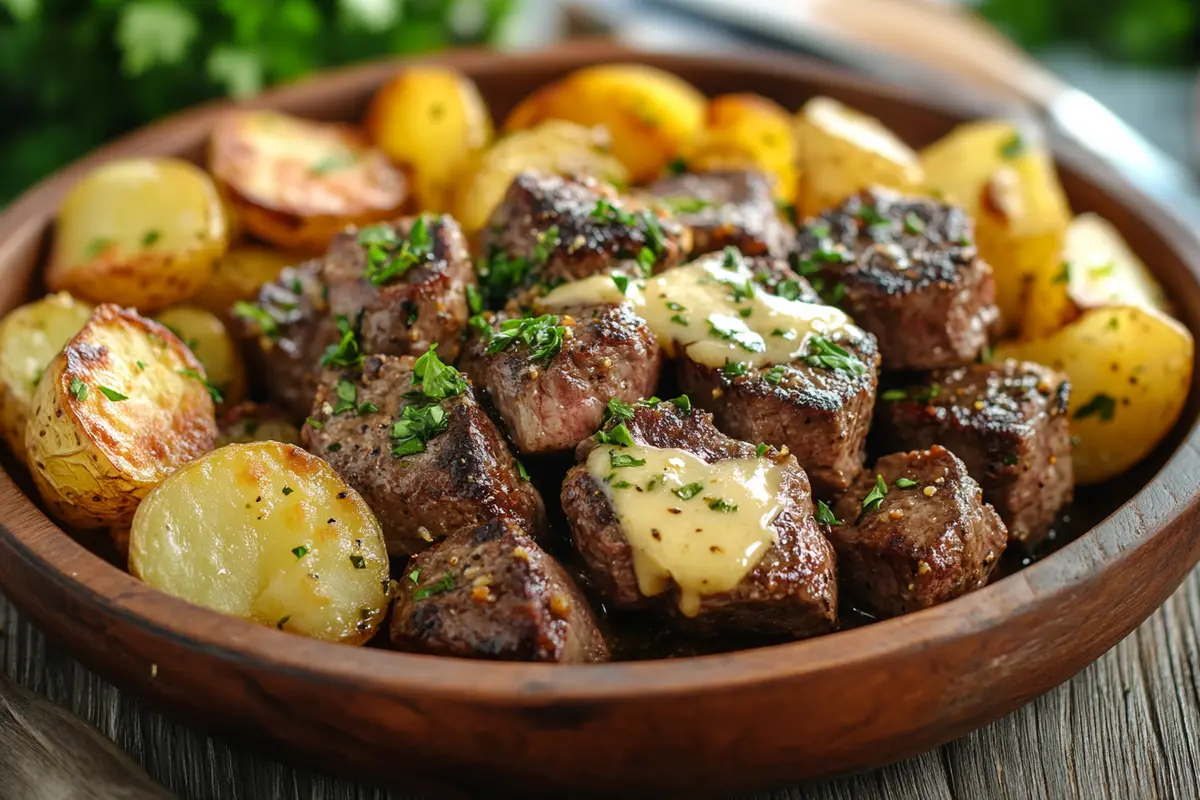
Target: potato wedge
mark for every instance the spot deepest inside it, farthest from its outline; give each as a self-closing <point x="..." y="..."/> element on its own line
<point x="650" y="114"/>
<point x="120" y="408"/>
<point x="30" y="337"/>
<point x="841" y="151"/>
<point x="554" y="147"/>
<point x="295" y="183"/>
<point x="239" y="274"/>
<point x="140" y="232"/>
<point x="1007" y="182"/>
<point x="256" y="422"/>
<point x="433" y="122"/>
<point x="1130" y="371"/>
<point x="747" y="131"/>
<point x="209" y="340"/>
<point x="269" y="533"/>
<point x="1096" y="269"/>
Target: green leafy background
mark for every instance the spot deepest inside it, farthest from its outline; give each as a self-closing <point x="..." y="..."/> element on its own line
<point x="76" y="73"/>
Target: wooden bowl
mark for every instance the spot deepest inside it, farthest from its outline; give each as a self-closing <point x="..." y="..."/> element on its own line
<point x="747" y="719"/>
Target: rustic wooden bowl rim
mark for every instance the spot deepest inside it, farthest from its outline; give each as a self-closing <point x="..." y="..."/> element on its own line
<point x="61" y="560"/>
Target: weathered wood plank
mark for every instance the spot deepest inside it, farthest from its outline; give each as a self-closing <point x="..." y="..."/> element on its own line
<point x="1126" y="727"/>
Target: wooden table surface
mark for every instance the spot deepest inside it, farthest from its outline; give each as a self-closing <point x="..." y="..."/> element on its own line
<point x="1126" y="727"/>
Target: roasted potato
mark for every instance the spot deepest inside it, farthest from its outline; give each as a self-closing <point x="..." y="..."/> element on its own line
<point x="120" y="408"/>
<point x="256" y="422"/>
<point x="239" y="274"/>
<point x="269" y="533"/>
<point x="651" y="114"/>
<point x="30" y="336"/>
<point x="1130" y="371"/>
<point x="140" y="232"/>
<point x="841" y="151"/>
<point x="432" y="121"/>
<point x="209" y="340"/>
<point x="1006" y="181"/>
<point x="554" y="147"/>
<point x="1096" y="269"/>
<point x="295" y="183"/>
<point x="747" y="131"/>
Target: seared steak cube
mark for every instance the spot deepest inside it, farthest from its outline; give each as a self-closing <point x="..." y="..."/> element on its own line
<point x="903" y="265"/>
<point x="286" y="331"/>
<point x="551" y="377"/>
<point x="402" y="286"/>
<point x="727" y="209"/>
<point x="668" y="512"/>
<point x="914" y="532"/>
<point x="409" y="436"/>
<point x="550" y="229"/>
<point x="1008" y="424"/>
<point x="819" y="409"/>
<point x="490" y="592"/>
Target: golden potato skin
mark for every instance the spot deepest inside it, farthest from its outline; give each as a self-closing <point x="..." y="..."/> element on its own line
<point x="747" y="131"/>
<point x="295" y="183"/>
<point x="30" y="337"/>
<point x="209" y="340"/>
<point x="650" y="114"/>
<point x="269" y="533"/>
<point x="1130" y="371"/>
<point x="433" y="122"/>
<point x="256" y="422"/>
<point x="239" y="274"/>
<point x="138" y="232"/>
<point x="94" y="457"/>
<point x="555" y="147"/>
<point x="841" y="151"/>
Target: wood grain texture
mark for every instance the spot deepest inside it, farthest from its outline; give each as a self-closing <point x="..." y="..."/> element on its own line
<point x="1125" y="728"/>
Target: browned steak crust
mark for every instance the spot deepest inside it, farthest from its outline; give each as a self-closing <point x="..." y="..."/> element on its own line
<point x="727" y="209"/>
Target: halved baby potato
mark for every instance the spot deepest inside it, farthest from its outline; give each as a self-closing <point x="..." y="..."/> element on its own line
<point x="256" y="422"/>
<point x="841" y="151"/>
<point x="1130" y="371"/>
<point x="30" y="337"/>
<point x="295" y="182"/>
<point x="747" y="131"/>
<point x="239" y="274"/>
<point x="651" y="114"/>
<point x="1096" y="269"/>
<point x="138" y="232"/>
<point x="269" y="533"/>
<point x="209" y="340"/>
<point x="554" y="147"/>
<point x="120" y="408"/>
<point x="432" y="121"/>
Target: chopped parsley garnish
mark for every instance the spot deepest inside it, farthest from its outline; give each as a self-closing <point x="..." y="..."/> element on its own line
<point x="774" y="374"/>
<point x="618" y="410"/>
<point x="646" y="261"/>
<point x="437" y="379"/>
<point x="827" y="355"/>
<point x="300" y="551"/>
<point x="474" y="299"/>
<point x="1102" y="270"/>
<point x="141" y="365"/>
<point x="1064" y="273"/>
<point x="283" y="621"/>
<point x="688" y="491"/>
<point x="388" y="256"/>
<point x="79" y="389"/>
<point x="546" y="241"/>
<point x="825" y="514"/>
<point x="418" y="424"/>
<point x="987" y="355"/>
<point x="444" y="584"/>
<point x="913" y="223"/>
<point x="1011" y="461"/>
<point x="820" y="231"/>
<point x="745" y="313"/>
<point x="679" y="319"/>
<point x="733" y="369"/>
<point x="1013" y="146"/>
<point x="621" y="282"/>
<point x="334" y="447"/>
<point x="644" y="220"/>
<point x="213" y="391"/>
<point x="315" y="424"/>
<point x="367" y="408"/>
<point x="543" y="335"/>
<point x="677" y="165"/>
<point x="788" y="289"/>
<point x="415" y="576"/>
<point x="722" y="505"/>
<point x="732" y="259"/>
<point x="904" y="483"/>
<point x="683" y="403"/>
<point x="112" y="394"/>
<point x="893" y="395"/>
<point x="259" y="316"/>
<point x="684" y="204"/>
<point x="619" y="460"/>
<point x="501" y="274"/>
<point x="835" y="295"/>
<point x="761" y="449"/>
<point x="875" y="499"/>
<point x="345" y="352"/>
<point x="358" y="562"/>
<point x="521" y="471"/>
<point x="1101" y="405"/>
<point x="331" y="162"/>
<point x="347" y="395"/>
<point x="747" y="340"/>
<point x="97" y="246"/>
<point x="619" y="436"/>
<point x="150" y="237"/>
<point x="673" y="306"/>
<point x="870" y="216"/>
<point x="287" y="490"/>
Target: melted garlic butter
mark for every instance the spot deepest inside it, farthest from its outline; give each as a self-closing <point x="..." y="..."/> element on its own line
<point x="714" y="312"/>
<point x="703" y="526"/>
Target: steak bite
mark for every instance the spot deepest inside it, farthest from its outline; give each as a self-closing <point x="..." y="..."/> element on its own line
<point x="403" y="285"/>
<point x="914" y="532"/>
<point x="903" y="264"/>
<point x="490" y="592"/>
<point x="286" y="331"/>
<point x="727" y="209"/>
<point x="1008" y="424"/>
<point x="550" y="229"/>
<point x="409" y="436"/>
<point x="551" y="377"/>
<point x="669" y="513"/>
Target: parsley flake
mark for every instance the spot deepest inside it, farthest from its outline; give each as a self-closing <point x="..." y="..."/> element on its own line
<point x="543" y="335"/>
<point x="825" y="514"/>
<point x="827" y="355"/>
<point x="904" y="483"/>
<point x="688" y="491"/>
<point x="112" y="394"/>
<point x="722" y="505"/>
<point x="875" y="498"/>
<point x="1101" y="405"/>
<point x="445" y="584"/>
<point x="79" y="389"/>
<point x="300" y="551"/>
<point x="619" y="436"/>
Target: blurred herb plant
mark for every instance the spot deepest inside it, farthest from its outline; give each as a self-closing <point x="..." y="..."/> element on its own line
<point x="75" y="73"/>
